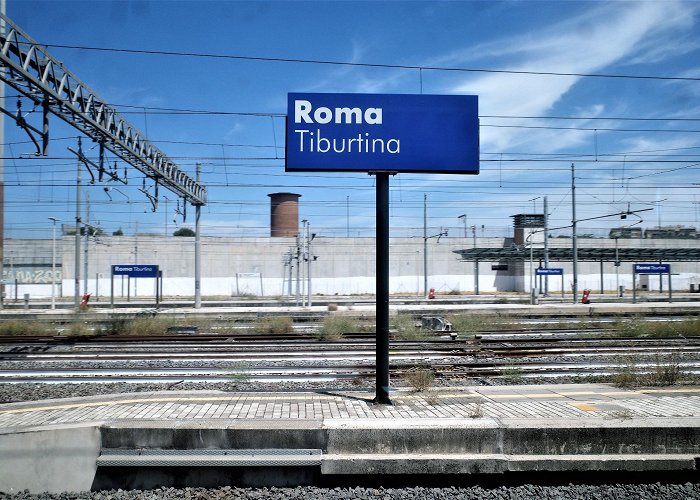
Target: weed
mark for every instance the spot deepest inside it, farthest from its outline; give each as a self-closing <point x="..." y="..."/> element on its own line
<point x="474" y="323"/>
<point x="640" y="327"/>
<point x="144" y="326"/>
<point x="115" y="326"/>
<point x="621" y="415"/>
<point x="627" y="375"/>
<point x="273" y="324"/>
<point x="334" y="327"/>
<point x="406" y="328"/>
<point x="477" y="411"/>
<point x="239" y="372"/>
<point x="17" y="327"/>
<point x="667" y="372"/>
<point x="512" y="374"/>
<point x="332" y="307"/>
<point x="420" y="379"/>
<point x="431" y="397"/>
<point x="79" y="329"/>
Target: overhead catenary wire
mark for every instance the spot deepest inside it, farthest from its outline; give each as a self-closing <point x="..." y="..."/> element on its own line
<point x="411" y="67"/>
<point x="511" y="162"/>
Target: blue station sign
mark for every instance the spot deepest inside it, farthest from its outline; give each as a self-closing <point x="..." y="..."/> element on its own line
<point x="382" y="133"/>
<point x="549" y="271"/>
<point x="135" y="270"/>
<point x="652" y="268"/>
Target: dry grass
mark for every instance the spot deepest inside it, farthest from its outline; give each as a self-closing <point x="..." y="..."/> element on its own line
<point x="406" y="329"/>
<point x="273" y="324"/>
<point x="23" y="328"/>
<point x="420" y="379"/>
<point x="334" y="327"/>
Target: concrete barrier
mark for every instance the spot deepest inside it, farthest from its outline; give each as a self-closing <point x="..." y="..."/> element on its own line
<point x="49" y="460"/>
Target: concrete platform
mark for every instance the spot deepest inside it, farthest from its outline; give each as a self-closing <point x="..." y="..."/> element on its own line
<point x="168" y="438"/>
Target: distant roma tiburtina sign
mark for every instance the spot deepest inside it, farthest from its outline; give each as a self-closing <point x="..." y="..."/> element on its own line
<point x="382" y="132"/>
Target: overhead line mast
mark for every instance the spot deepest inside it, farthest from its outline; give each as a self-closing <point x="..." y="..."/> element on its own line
<point x="29" y="68"/>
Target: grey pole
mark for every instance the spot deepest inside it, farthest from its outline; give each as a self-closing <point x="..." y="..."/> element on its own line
<point x="476" y="263"/>
<point x="302" y="267"/>
<point x="197" y="250"/>
<point x="617" y="268"/>
<point x="86" y="248"/>
<point x="309" y="258"/>
<point x="76" y="279"/>
<point x="464" y="219"/>
<point x="532" y="288"/>
<point x="573" y="233"/>
<point x="298" y="291"/>
<point x="136" y="261"/>
<point x="546" y="246"/>
<point x="289" y="281"/>
<point x="53" y="262"/>
<point x="425" y="246"/>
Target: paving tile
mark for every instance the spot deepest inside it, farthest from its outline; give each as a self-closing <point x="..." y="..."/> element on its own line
<point x="536" y="402"/>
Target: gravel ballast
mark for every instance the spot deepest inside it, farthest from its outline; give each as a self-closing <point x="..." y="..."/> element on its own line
<point x="574" y="492"/>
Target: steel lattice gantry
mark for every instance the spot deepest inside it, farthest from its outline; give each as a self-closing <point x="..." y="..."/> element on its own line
<point x="31" y="70"/>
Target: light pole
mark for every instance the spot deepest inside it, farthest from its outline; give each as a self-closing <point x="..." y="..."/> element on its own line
<point x="53" y="262"/>
<point x="464" y="219"/>
<point x="534" y="203"/>
<point x="476" y="262"/>
<point x="617" y="268"/>
<point x="532" y="289"/>
<point x="574" y="243"/>
<point x="425" y="246"/>
<point x="658" y="211"/>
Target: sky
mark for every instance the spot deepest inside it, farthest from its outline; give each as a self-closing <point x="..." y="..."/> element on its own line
<point x="610" y="87"/>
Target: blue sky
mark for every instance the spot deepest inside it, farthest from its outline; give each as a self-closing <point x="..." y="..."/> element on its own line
<point x="635" y="141"/>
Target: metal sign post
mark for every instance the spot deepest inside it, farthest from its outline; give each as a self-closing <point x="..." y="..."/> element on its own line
<point x="659" y="269"/>
<point x="382" y="134"/>
<point x="134" y="271"/>
<point x="382" y="288"/>
<point x="552" y="271"/>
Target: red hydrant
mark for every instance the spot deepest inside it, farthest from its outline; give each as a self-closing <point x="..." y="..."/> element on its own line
<point x="85" y="300"/>
<point x="584" y="299"/>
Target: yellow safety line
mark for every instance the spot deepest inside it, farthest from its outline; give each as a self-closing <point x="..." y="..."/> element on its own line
<point x="586" y="406"/>
<point x="670" y="390"/>
<point x="321" y="397"/>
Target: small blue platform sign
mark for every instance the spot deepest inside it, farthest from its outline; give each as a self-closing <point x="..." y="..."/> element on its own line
<point x="652" y="268"/>
<point x="382" y="133"/>
<point x="135" y="270"/>
<point x="549" y="271"/>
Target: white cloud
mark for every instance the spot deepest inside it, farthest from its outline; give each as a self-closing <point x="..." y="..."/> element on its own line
<point x="582" y="45"/>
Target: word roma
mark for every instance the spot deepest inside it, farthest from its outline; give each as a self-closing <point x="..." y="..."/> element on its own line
<point x="314" y="142"/>
<point x="138" y="269"/>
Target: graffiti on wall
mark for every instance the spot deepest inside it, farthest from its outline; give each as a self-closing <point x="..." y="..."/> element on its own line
<point x="33" y="274"/>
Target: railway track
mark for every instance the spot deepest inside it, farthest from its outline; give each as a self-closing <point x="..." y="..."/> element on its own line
<point x="215" y="359"/>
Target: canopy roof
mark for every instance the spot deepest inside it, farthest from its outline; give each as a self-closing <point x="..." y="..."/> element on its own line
<point x="516" y="252"/>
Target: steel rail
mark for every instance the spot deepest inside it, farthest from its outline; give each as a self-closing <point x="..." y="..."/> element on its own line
<point x="448" y="371"/>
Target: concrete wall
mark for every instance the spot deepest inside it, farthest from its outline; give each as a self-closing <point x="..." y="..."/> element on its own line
<point x="256" y="266"/>
<point x="49" y="460"/>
